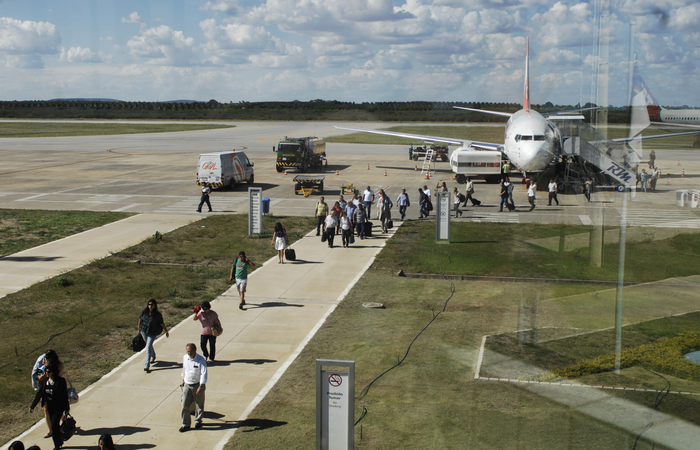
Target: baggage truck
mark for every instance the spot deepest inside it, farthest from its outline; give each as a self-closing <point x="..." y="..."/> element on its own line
<point x="300" y="153"/>
<point x="224" y="169"/>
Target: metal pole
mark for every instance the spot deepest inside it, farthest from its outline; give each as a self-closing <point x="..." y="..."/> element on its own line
<point x="620" y="282"/>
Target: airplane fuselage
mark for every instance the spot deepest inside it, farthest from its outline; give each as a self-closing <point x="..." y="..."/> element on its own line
<point x="531" y="141"/>
<point x="679" y="116"/>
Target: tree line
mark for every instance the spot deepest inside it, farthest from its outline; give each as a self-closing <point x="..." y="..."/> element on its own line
<point x="327" y="110"/>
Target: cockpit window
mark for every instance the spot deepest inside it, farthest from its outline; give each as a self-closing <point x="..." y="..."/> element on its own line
<point x="539" y="137"/>
<point x="526" y="138"/>
<point x="517" y="138"/>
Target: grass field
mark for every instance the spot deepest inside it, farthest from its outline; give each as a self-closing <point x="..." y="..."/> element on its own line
<point x="53" y="129"/>
<point x="431" y="400"/>
<point x="21" y="229"/>
<point x="89" y="315"/>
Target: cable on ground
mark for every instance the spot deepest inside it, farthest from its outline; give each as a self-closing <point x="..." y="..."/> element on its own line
<point x="365" y="390"/>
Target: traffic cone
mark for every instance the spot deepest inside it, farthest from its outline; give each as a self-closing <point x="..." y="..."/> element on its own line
<point x="367" y="166"/>
<point x="336" y="172"/>
<point x="679" y="161"/>
<point x="415" y="168"/>
<point x="427" y="175"/>
<point x="682" y="173"/>
<point x="384" y="172"/>
<point x="285" y="171"/>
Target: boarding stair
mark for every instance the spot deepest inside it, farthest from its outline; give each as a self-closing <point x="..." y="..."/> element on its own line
<point x="427" y="161"/>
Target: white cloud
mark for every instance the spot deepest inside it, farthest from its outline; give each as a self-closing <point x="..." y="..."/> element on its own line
<point x="133" y="18"/>
<point x="28" y="37"/>
<point x="228" y="6"/>
<point x="79" y="54"/>
<point x="686" y="18"/>
<point x="389" y="60"/>
<point x="163" y="45"/>
<point x="564" y="25"/>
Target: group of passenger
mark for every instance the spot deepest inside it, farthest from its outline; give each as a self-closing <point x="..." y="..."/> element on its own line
<point x="648" y="179"/>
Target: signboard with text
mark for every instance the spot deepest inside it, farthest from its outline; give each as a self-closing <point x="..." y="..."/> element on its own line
<point x="442" y="218"/>
<point x="254" y="210"/>
<point x="335" y="404"/>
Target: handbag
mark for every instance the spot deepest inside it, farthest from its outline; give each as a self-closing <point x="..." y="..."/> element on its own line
<point x="72" y="393"/>
<point x="217" y="329"/>
<point x="351" y="239"/>
<point x="68" y="427"/>
<point x="430" y="206"/>
<point x="324" y="236"/>
<point x="138" y="343"/>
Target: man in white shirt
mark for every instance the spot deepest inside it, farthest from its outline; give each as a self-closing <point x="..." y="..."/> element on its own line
<point x="367" y="199"/>
<point x="552" y="187"/>
<point x="194" y="380"/>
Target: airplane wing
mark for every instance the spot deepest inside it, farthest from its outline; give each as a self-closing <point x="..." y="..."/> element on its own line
<point x="486" y="111"/>
<point x="421" y="137"/>
<point x="656" y="136"/>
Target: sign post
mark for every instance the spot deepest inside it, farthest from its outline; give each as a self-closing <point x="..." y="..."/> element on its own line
<point x="254" y="210"/>
<point x="335" y="404"/>
<point x="442" y="218"/>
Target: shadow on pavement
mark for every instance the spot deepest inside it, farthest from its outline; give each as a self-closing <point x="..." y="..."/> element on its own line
<point x="273" y="305"/>
<point x="165" y="365"/>
<point x="222" y="362"/>
<point x="258" y="424"/>
<point x="114" y="431"/>
<point x="31" y="258"/>
<point x="302" y="261"/>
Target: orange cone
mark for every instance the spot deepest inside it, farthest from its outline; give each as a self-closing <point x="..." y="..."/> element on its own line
<point x="415" y="168"/>
<point x="367" y="166"/>
<point x="336" y="172"/>
<point x="384" y="172"/>
<point x="682" y="173"/>
<point x="427" y="175"/>
<point x="285" y="171"/>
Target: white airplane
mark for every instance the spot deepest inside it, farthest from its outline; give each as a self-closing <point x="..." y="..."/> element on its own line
<point x="531" y="141"/>
<point x="657" y="114"/>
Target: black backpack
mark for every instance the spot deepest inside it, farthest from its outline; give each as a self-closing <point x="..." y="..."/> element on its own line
<point x="461" y="197"/>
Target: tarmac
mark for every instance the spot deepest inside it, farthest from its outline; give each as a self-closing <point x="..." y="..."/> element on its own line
<point x="285" y="305"/>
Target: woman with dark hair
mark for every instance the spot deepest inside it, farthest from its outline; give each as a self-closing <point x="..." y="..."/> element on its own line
<point x="54" y="394"/>
<point x="150" y="326"/>
<point x="39" y="376"/>
<point x="105" y="442"/>
<point x="279" y="240"/>
<point x="208" y="318"/>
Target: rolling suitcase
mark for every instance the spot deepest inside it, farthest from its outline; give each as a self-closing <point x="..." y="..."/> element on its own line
<point x="290" y="254"/>
<point x="368" y="229"/>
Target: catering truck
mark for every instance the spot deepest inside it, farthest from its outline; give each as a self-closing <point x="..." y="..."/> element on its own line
<point x="301" y="153"/>
<point x="224" y="169"/>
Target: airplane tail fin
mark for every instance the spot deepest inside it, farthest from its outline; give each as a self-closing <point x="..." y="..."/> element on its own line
<point x="641" y="96"/>
<point x="526" y="100"/>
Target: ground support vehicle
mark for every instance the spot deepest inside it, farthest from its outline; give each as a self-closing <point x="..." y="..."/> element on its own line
<point x="301" y="153"/>
<point x="348" y="189"/>
<point x="440" y="152"/>
<point x="484" y="164"/>
<point x="306" y="184"/>
<point x="224" y="169"/>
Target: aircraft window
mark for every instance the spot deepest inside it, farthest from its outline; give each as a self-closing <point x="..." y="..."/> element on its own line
<point x="539" y="137"/>
<point x="517" y="138"/>
<point x="527" y="138"/>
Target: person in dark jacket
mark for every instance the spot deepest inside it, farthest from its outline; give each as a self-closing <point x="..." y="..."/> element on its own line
<point x="53" y="393"/>
<point x="150" y="326"/>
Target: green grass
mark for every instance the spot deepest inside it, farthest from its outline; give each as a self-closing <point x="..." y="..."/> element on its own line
<point x="431" y="401"/>
<point x="52" y="129"/>
<point x="92" y="312"/>
<point x="21" y="229"/>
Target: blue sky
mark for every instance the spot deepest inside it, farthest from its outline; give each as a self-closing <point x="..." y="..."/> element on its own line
<point x="350" y="50"/>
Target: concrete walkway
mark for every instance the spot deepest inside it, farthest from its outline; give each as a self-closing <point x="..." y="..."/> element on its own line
<point x="286" y="304"/>
<point x="23" y="269"/>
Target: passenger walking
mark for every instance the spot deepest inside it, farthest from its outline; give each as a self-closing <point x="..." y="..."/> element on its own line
<point x="404" y="202"/>
<point x="194" y="381"/>
<point x="652" y="159"/>
<point x="336" y="210"/>
<point x="504" y="196"/>
<point x="329" y="228"/>
<point x="552" y="187"/>
<point x="384" y="209"/>
<point x="208" y="319"/>
<point x="644" y="178"/>
<point x="350" y="212"/>
<point x="320" y="214"/>
<point x="360" y="219"/>
<point x="655" y="174"/>
<point x="342" y="202"/>
<point x="531" y="192"/>
<point x="588" y="189"/>
<point x="346" y="229"/>
<point x="240" y="271"/>
<point x="150" y="325"/>
<point x="506" y="170"/>
<point x="510" y="188"/>
<point x="279" y="240"/>
<point x="469" y="191"/>
<point x="39" y="376"/>
<point x="53" y="393"/>
<point x="367" y="199"/>
<point x="206" y="190"/>
<point x="424" y="200"/>
<point x="456" y="201"/>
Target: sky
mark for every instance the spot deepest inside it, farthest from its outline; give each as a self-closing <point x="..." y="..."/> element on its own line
<point x="348" y="50"/>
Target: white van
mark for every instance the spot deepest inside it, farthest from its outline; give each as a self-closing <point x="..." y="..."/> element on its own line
<point x="477" y="164"/>
<point x="224" y="169"/>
